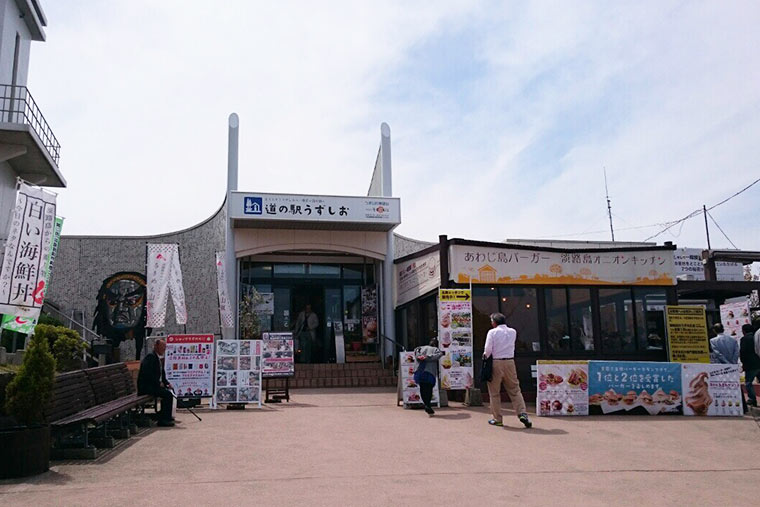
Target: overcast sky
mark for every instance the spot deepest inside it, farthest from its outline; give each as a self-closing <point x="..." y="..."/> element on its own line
<point x="502" y="115"/>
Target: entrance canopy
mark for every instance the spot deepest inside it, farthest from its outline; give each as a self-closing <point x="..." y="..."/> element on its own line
<point x="298" y="211"/>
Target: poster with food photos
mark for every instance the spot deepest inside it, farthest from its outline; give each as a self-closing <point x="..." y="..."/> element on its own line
<point x="635" y="387"/>
<point x="410" y="391"/>
<point x="277" y="355"/>
<point x="711" y="390"/>
<point x="562" y="388"/>
<point x="734" y="316"/>
<point x="455" y="338"/>
<point x="238" y="371"/>
<point x="189" y="364"/>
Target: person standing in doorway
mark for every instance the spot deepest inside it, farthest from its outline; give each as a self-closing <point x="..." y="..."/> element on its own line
<point x="427" y="372"/>
<point x="306" y="332"/>
<point x="500" y="344"/>
<point x="750" y="362"/>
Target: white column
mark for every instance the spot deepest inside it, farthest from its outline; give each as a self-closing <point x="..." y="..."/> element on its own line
<point x="389" y="326"/>
<point x="230" y="259"/>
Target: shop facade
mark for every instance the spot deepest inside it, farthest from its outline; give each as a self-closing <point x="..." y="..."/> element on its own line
<point x="574" y="301"/>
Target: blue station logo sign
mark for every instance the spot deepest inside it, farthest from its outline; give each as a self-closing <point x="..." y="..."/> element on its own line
<point x="253" y="206"/>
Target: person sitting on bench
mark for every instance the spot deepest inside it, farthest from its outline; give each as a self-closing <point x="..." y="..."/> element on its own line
<point x="152" y="381"/>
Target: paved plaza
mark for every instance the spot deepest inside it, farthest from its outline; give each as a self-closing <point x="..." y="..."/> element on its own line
<point x="355" y="447"/>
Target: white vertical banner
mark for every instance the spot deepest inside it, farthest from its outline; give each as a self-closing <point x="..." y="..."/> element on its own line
<point x="225" y="310"/>
<point x="164" y="276"/>
<point x="25" y="266"/>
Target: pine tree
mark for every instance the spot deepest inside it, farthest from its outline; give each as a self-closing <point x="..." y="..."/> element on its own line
<point x="30" y="390"/>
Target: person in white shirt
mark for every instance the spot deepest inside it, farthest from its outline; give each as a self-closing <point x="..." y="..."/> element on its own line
<point x="500" y="344"/>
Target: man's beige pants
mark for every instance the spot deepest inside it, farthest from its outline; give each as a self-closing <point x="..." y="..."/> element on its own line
<point x="505" y="372"/>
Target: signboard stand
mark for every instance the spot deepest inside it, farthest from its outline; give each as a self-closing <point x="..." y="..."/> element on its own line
<point x="277" y="394"/>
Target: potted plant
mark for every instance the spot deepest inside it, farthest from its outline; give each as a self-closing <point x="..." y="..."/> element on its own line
<point x="26" y="446"/>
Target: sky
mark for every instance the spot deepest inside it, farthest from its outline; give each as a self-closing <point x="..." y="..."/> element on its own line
<point x="503" y="115"/>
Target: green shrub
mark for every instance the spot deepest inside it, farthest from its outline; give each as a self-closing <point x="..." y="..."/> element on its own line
<point x="49" y="320"/>
<point x="67" y="350"/>
<point x="65" y="343"/>
<point x="29" y="392"/>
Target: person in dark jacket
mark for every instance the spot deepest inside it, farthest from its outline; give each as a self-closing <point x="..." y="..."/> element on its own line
<point x="750" y="362"/>
<point x="427" y="372"/>
<point x="151" y="380"/>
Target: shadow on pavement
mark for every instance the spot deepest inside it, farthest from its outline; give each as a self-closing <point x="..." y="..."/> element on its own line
<point x="450" y="417"/>
<point x="535" y="431"/>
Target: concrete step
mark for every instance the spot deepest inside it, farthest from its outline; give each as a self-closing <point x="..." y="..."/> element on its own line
<point x="320" y="382"/>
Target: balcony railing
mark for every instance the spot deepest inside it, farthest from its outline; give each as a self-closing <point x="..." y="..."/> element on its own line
<point x="18" y="106"/>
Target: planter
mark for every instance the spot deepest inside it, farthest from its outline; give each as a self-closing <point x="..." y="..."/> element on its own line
<point x="26" y="451"/>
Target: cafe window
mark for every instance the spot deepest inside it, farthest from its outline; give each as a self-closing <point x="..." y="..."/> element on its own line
<point x="580" y="310"/>
<point x="569" y="320"/>
<point x="353" y="271"/>
<point x="412" y="336"/>
<point x="485" y="301"/>
<point x="259" y="270"/>
<point x="520" y="306"/>
<point x="429" y="319"/>
<point x="650" y="318"/>
<point x="558" y="336"/>
<point x="616" y="315"/>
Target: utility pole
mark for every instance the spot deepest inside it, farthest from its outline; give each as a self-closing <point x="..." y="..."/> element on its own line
<point x="609" y="206"/>
<point x="707" y="229"/>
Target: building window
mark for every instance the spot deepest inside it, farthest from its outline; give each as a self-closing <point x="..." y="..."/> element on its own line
<point x="289" y="270"/>
<point x="557" y="329"/>
<point x="650" y="317"/>
<point x="429" y="319"/>
<point x="324" y="271"/>
<point x="580" y="311"/>
<point x="352" y="271"/>
<point x="485" y="301"/>
<point x="520" y="306"/>
<point x="617" y="320"/>
<point x="259" y="270"/>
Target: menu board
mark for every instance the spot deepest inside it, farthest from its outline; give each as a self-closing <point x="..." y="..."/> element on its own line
<point x="189" y="364"/>
<point x="711" y="390"/>
<point x="277" y="355"/>
<point x="687" y="334"/>
<point x="734" y="316"/>
<point x="455" y="338"/>
<point x="562" y="388"/>
<point x="238" y="371"/>
<point x="410" y="391"/>
<point x="642" y="387"/>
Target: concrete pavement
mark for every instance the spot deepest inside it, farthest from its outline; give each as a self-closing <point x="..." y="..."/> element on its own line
<point x="355" y="447"/>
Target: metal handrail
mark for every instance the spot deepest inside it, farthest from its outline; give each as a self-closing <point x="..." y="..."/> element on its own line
<point x="395" y="354"/>
<point x="18" y="106"/>
<point x="47" y="307"/>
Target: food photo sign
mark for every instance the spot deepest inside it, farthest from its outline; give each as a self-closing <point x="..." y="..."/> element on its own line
<point x="734" y="316"/>
<point x="277" y="355"/>
<point x="635" y="387"/>
<point x="189" y="364"/>
<point x="455" y="338"/>
<point x="410" y="391"/>
<point x="238" y="371"/>
<point x="711" y="390"/>
<point x="562" y="388"/>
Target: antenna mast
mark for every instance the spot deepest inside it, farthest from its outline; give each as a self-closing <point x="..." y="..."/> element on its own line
<point x="609" y="205"/>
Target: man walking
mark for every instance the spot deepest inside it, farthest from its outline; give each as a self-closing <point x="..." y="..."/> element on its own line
<point x="750" y="362"/>
<point x="500" y="344"/>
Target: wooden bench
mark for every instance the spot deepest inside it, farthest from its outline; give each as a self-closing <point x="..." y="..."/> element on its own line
<point x="94" y="397"/>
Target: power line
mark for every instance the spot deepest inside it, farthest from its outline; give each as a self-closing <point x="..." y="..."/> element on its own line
<point x="721" y="230"/>
<point x="697" y="212"/>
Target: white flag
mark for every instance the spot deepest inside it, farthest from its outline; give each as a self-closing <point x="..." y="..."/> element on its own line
<point x="225" y="310"/>
<point x="164" y="275"/>
<point x="24" y="272"/>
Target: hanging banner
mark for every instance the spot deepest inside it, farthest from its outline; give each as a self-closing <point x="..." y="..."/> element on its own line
<point x="687" y="334"/>
<point x="626" y="386"/>
<point x="189" y="364"/>
<point x="369" y="314"/>
<point x="410" y="391"/>
<point x="277" y="355"/>
<point x="711" y="390"/>
<point x="562" y="388"/>
<point x="238" y="371"/>
<point x="164" y="276"/>
<point x="26" y="325"/>
<point x="225" y="309"/>
<point x="455" y="338"/>
<point x="734" y="316"/>
<point x="24" y="271"/>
